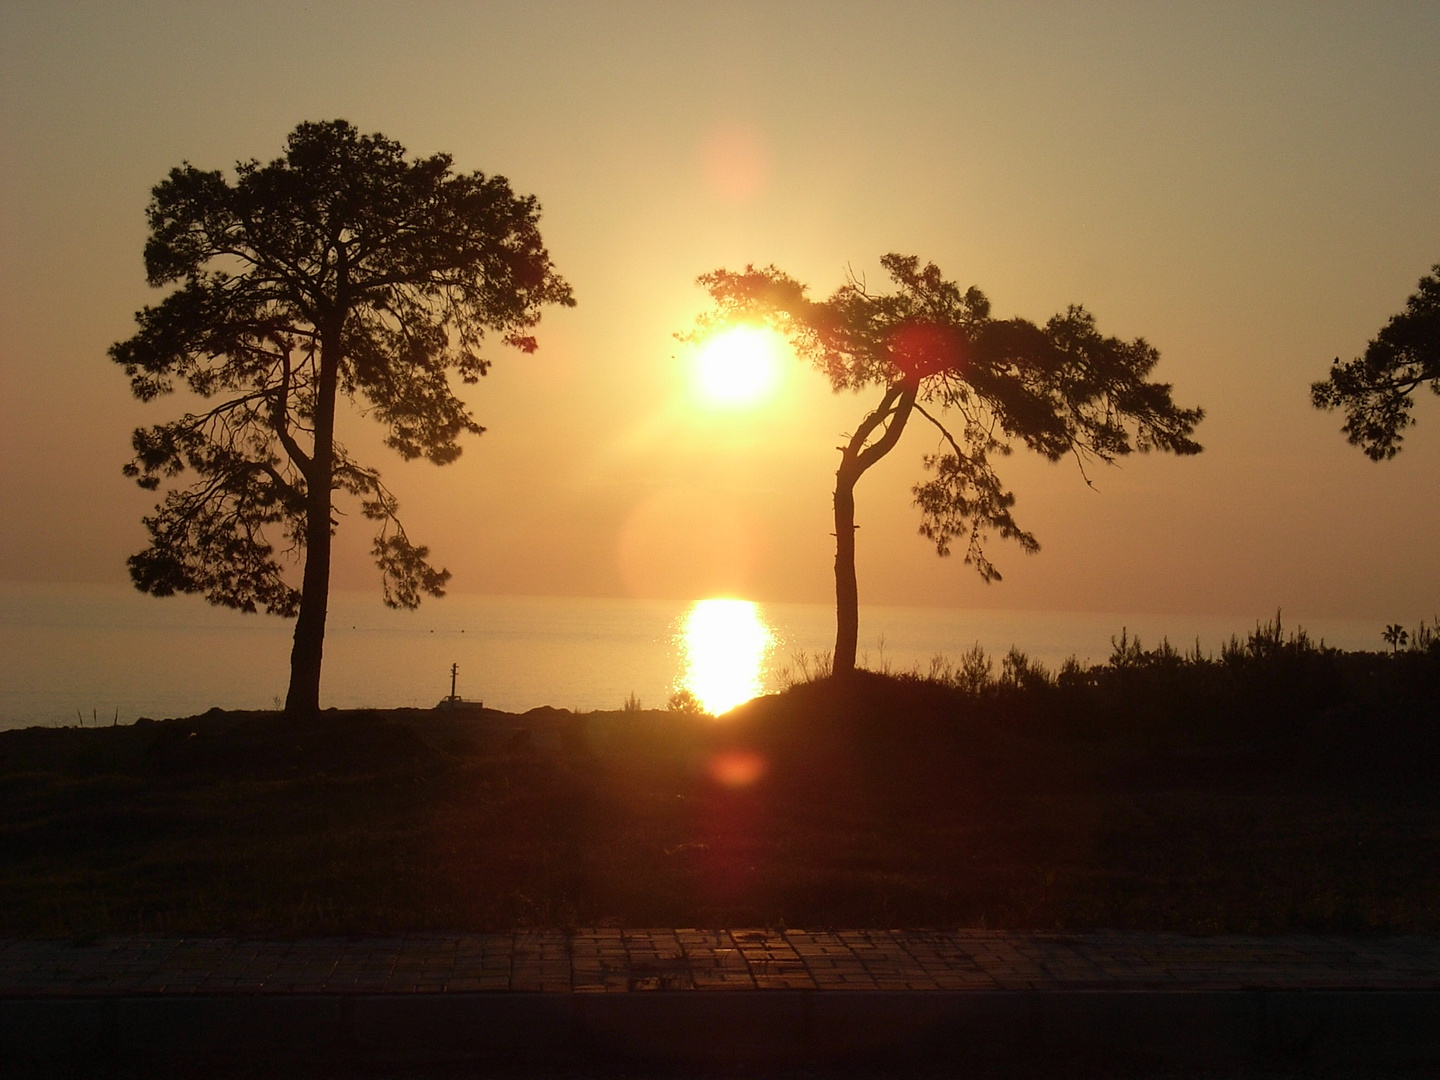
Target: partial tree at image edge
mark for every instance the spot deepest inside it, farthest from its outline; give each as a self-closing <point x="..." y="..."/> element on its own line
<point x="1376" y="390"/>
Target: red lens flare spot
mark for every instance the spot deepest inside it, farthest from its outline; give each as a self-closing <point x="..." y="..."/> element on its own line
<point x="734" y="162"/>
<point x="924" y="349"/>
<point x="737" y="768"/>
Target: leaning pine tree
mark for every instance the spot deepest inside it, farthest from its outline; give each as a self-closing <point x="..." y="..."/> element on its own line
<point x="339" y="269"/>
<point x="983" y="384"/>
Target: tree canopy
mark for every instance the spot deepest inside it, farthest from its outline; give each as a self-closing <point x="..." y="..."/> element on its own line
<point x="1376" y="390"/>
<point x="983" y="384"/>
<point x="341" y="268"/>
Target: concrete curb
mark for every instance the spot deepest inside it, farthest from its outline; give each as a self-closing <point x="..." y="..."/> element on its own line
<point x="1304" y="1029"/>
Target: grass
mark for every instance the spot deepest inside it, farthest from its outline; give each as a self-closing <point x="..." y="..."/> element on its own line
<point x="1282" y="786"/>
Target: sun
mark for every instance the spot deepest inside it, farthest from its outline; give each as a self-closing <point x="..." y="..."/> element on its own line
<point x="738" y="366"/>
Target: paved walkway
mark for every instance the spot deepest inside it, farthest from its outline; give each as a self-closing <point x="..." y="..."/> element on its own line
<point x="626" y="961"/>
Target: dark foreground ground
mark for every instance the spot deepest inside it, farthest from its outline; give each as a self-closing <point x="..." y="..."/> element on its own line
<point x="939" y="1071"/>
<point x="757" y="1002"/>
<point x="1290" y="792"/>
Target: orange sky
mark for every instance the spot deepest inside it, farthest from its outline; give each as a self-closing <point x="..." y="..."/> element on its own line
<point x="1253" y="189"/>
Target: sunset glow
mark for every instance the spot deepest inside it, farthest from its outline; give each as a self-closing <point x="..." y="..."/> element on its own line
<point x="725" y="644"/>
<point x="738" y="366"/>
<point x="1281" y="177"/>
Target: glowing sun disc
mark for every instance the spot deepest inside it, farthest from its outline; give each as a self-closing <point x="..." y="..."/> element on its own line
<point x="738" y="366"/>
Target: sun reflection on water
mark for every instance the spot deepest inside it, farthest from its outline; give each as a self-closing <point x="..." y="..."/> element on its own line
<point x="725" y="644"/>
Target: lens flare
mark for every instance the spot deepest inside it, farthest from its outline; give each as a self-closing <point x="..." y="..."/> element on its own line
<point x="738" y="366"/>
<point x="737" y="768"/>
<point x="734" y="163"/>
<point x="725" y="645"/>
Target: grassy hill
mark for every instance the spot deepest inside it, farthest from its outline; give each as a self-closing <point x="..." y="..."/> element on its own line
<point x="1282" y="786"/>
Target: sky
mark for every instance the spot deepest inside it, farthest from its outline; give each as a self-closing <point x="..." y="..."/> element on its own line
<point x="1253" y="188"/>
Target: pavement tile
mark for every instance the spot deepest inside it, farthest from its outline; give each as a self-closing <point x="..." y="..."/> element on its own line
<point x="606" y="960"/>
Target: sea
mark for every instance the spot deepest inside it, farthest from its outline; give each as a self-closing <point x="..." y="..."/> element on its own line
<point x="97" y="655"/>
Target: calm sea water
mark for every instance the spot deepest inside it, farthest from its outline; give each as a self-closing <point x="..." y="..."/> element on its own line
<point x="95" y="653"/>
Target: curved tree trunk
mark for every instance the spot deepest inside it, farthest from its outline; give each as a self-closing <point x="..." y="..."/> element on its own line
<point x="847" y="591"/>
<point x="303" y="698"/>
<point x="855" y="458"/>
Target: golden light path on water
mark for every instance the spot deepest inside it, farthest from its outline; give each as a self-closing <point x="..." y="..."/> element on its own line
<point x="725" y="644"/>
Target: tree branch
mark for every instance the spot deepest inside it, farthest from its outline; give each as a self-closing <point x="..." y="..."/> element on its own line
<point x="944" y="431"/>
<point x="903" y="398"/>
<point x="280" y="417"/>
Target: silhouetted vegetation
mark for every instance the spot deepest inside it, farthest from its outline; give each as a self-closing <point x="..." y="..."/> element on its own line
<point x="338" y="269"/>
<point x="1280" y="785"/>
<point x="1062" y="390"/>
<point x="1377" y="390"/>
<point x="1258" y="687"/>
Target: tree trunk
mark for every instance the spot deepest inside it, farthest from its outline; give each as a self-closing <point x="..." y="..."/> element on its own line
<point x="855" y="458"/>
<point x="847" y="592"/>
<point x="303" y="698"/>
